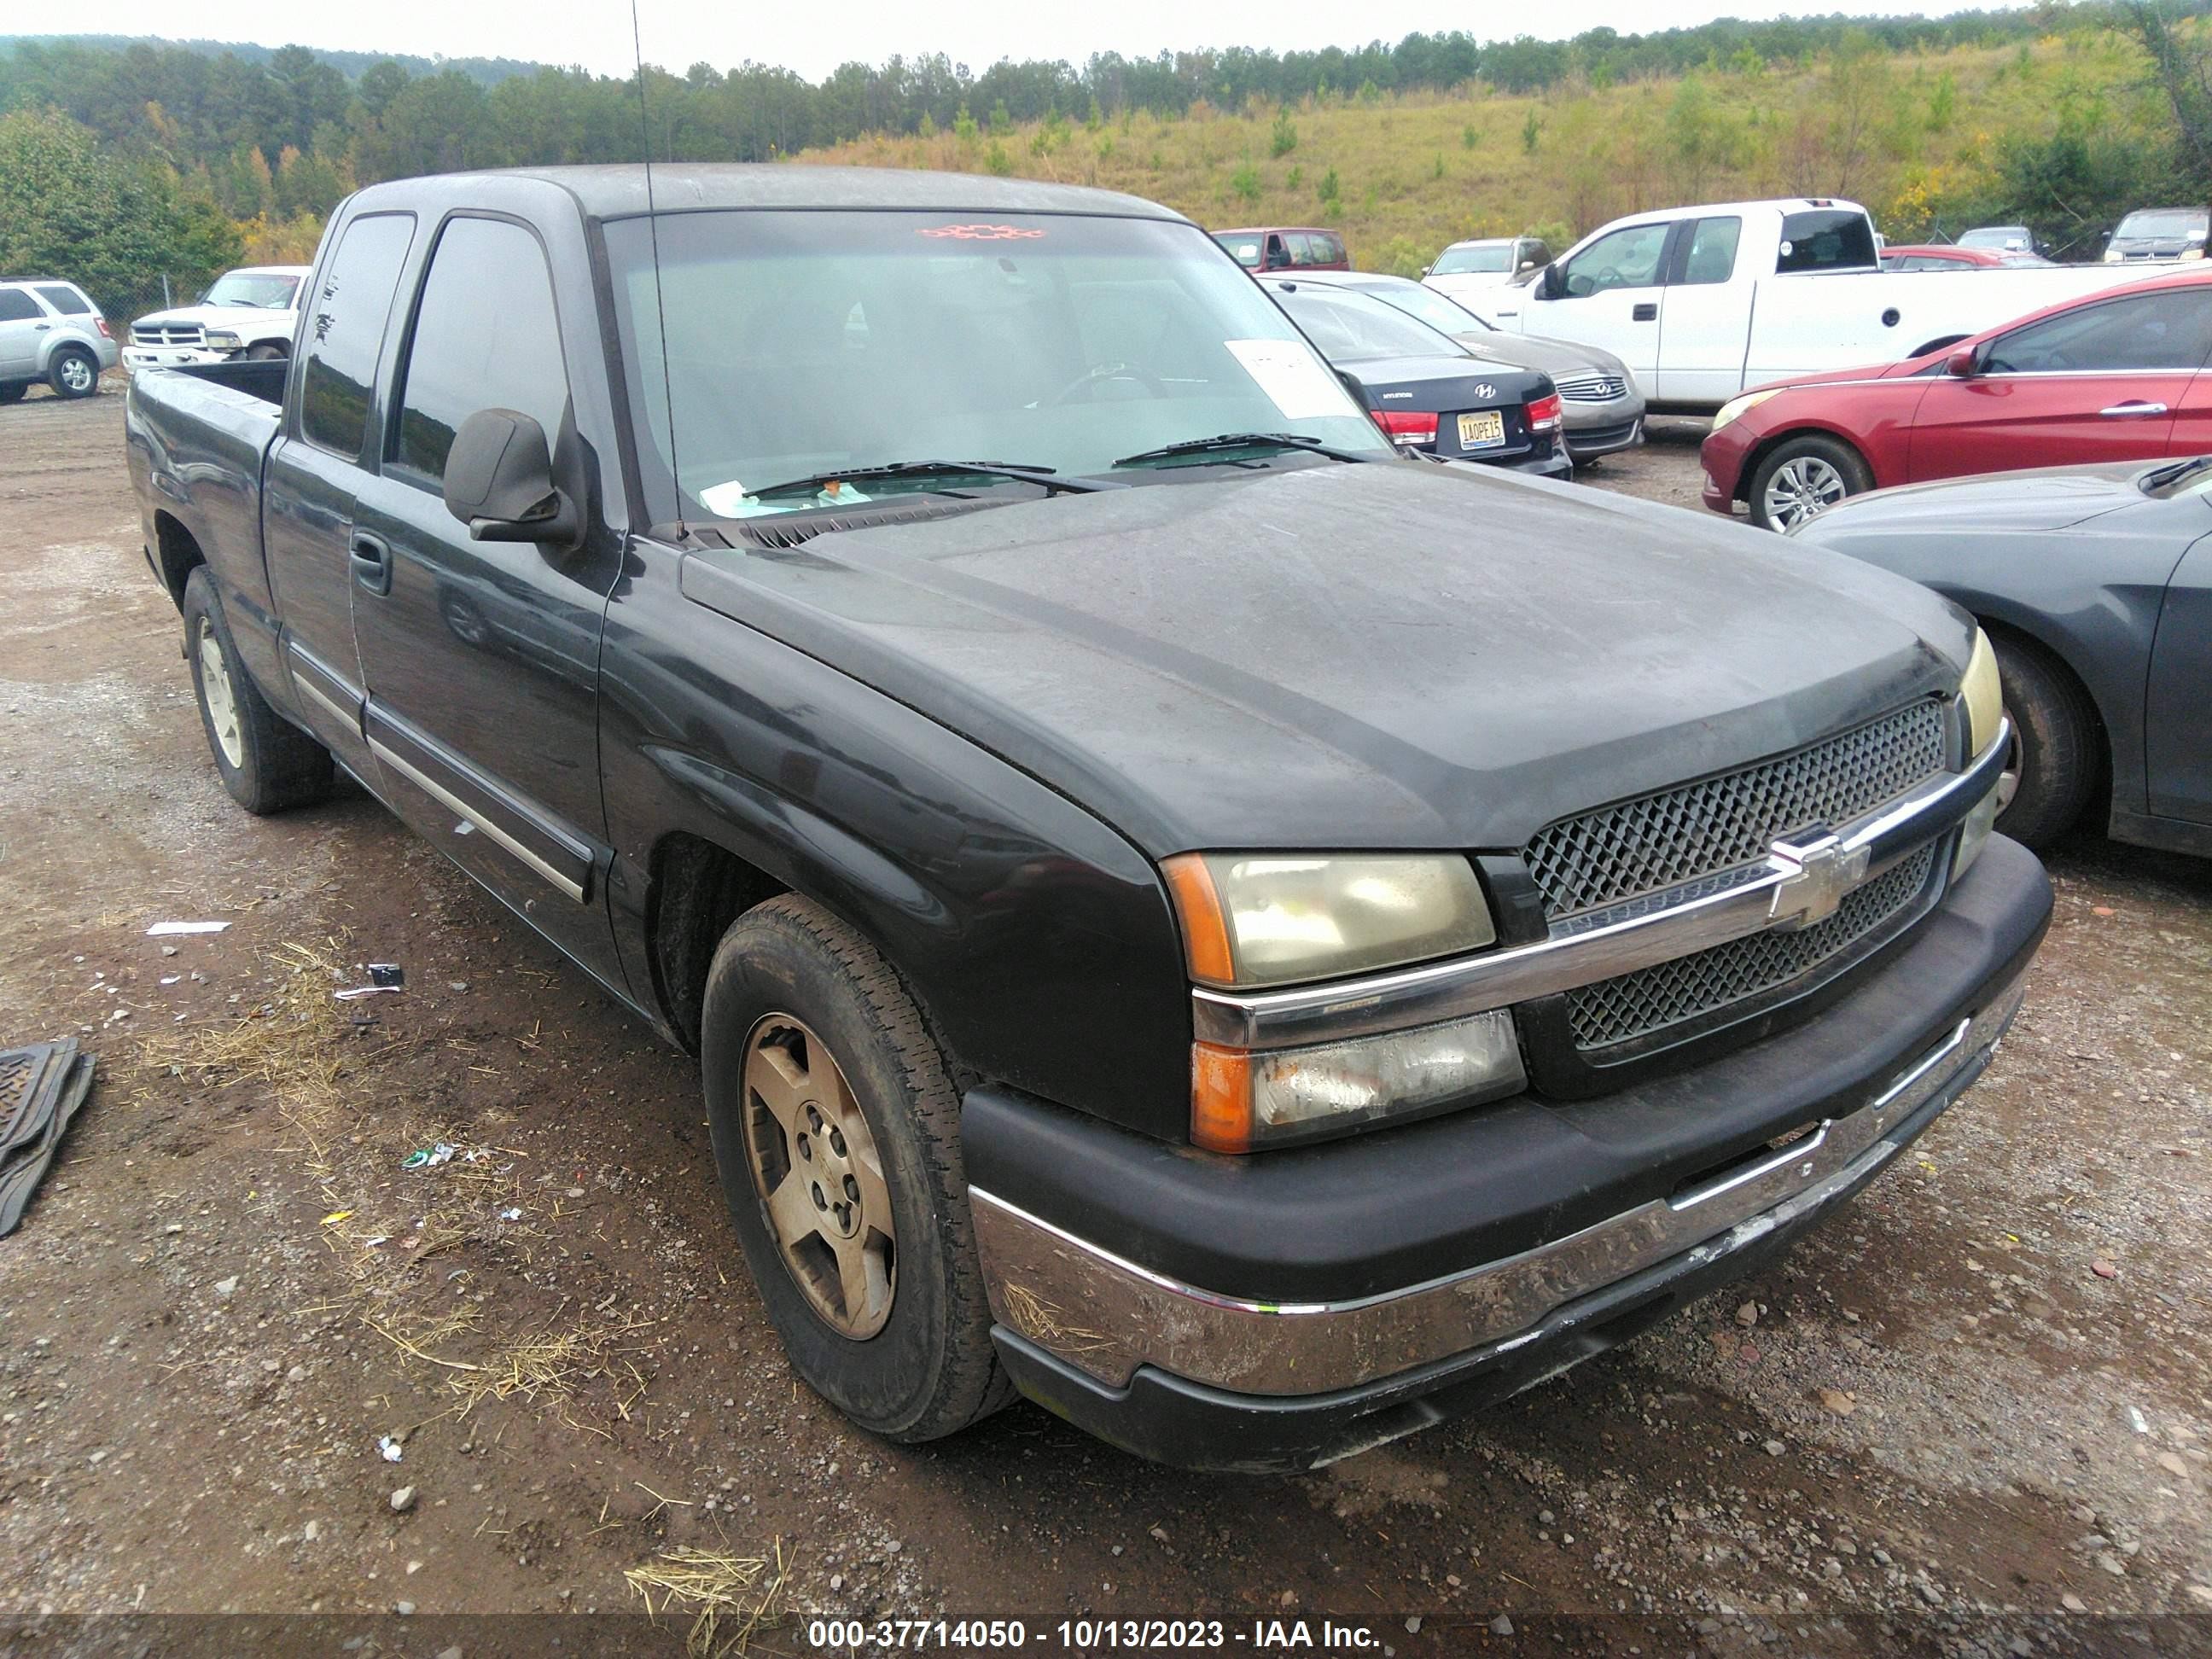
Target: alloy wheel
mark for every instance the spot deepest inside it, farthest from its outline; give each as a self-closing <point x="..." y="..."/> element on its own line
<point x="819" y="1177"/>
<point x="1801" y="486"/>
<point x="76" y="373"/>
<point x="222" y="700"/>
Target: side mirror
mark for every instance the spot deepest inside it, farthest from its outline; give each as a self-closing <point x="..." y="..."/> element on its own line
<point x="1553" y="285"/>
<point x="1964" y="363"/>
<point x="1426" y="270"/>
<point x="499" y="481"/>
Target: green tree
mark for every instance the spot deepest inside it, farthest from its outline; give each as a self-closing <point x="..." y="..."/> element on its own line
<point x="1331" y="188"/>
<point x="1245" y="181"/>
<point x="1531" y="131"/>
<point x="1285" y="139"/>
<point x="68" y="209"/>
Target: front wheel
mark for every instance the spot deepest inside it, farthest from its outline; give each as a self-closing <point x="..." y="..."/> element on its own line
<point x="1803" y="476"/>
<point x="2054" y="762"/>
<point x="267" y="763"/>
<point x="73" y="373"/>
<point x="836" y="1133"/>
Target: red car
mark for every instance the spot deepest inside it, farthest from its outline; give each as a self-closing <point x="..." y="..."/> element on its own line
<point x="1949" y="256"/>
<point x="2116" y="376"/>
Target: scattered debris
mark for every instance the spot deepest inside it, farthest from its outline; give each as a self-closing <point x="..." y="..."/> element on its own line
<point x="2104" y="1269"/>
<point x="726" y="1591"/>
<point x="2141" y="1424"/>
<point x="429" y="1157"/>
<point x="356" y="993"/>
<point x="386" y="976"/>
<point x="41" y="1087"/>
<point x="513" y="1213"/>
<point x="392" y="1451"/>
<point x="176" y="929"/>
<point x="226" y="1287"/>
<point x="403" y="1500"/>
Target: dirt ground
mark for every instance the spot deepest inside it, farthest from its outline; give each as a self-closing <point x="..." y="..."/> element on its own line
<point x="1974" y="1414"/>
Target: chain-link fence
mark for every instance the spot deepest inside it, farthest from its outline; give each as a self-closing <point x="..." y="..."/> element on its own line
<point x="124" y="303"/>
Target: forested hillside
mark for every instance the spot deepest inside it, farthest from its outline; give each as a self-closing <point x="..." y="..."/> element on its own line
<point x="177" y="158"/>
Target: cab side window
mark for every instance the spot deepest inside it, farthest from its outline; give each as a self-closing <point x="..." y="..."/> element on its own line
<point x="1626" y="258"/>
<point x="1711" y="254"/>
<point x="486" y="337"/>
<point x="2169" y="330"/>
<point x="346" y="316"/>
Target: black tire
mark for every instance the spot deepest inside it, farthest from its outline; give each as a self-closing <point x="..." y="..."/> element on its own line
<point x="2057" y="753"/>
<point x="930" y="1370"/>
<point x="12" y="392"/>
<point x="1819" y="459"/>
<point x="73" y="373"/>
<point x="267" y="352"/>
<point x="275" y="765"/>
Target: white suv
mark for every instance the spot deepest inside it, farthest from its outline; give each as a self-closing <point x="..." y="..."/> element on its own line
<point x="249" y="313"/>
<point x="51" y="331"/>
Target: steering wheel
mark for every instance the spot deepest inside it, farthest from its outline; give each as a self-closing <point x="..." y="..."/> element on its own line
<point x="1086" y="383"/>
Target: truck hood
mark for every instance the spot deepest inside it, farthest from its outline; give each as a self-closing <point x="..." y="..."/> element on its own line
<point x="1329" y="655"/>
<point x="2025" y="503"/>
<point x="256" y="318"/>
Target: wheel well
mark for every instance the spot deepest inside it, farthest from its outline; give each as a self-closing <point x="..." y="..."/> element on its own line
<point x="180" y="555"/>
<point x="1767" y="447"/>
<point x="698" y="890"/>
<point x="2005" y="633"/>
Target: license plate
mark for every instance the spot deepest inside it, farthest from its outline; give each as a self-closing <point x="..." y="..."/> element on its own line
<point x="1483" y="429"/>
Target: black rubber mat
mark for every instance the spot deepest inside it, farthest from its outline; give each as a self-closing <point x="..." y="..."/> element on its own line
<point x="41" y="1089"/>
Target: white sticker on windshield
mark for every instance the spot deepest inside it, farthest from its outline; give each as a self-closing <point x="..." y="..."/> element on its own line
<point x="1292" y="376"/>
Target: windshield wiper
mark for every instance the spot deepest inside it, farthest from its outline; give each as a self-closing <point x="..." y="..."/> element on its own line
<point x="1241" y="441"/>
<point x="2166" y="475"/>
<point x="1041" y="475"/>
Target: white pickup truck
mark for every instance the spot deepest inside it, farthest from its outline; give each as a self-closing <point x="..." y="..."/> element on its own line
<point x="251" y="313"/>
<point x="1702" y="303"/>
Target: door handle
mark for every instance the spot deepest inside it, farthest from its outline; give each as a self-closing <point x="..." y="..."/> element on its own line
<point x="2134" y="410"/>
<point x="1646" y="311"/>
<point x="372" y="561"/>
<point x="41" y="328"/>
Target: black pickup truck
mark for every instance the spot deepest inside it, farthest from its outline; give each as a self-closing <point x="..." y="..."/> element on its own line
<point x="1253" y="942"/>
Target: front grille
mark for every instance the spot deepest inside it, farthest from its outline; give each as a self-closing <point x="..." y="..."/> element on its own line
<point x="166" y="334"/>
<point x="1590" y="388"/>
<point x="1651" y="999"/>
<point x="1589" y="438"/>
<point x="1659" y="840"/>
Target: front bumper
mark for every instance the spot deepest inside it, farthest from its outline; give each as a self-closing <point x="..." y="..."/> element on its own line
<point x="138" y="357"/>
<point x="1439" y="1267"/>
<point x="1595" y="430"/>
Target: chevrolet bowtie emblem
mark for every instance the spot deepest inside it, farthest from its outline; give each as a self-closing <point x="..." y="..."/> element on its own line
<point x="1816" y="875"/>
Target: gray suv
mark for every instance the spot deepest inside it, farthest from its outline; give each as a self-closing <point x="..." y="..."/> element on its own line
<point x="51" y="331"/>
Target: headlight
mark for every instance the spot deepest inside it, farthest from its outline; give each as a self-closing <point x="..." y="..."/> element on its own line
<point x="1242" y="1101"/>
<point x="1982" y="692"/>
<point x="220" y="340"/>
<point x="1736" y="407"/>
<point x="1251" y="919"/>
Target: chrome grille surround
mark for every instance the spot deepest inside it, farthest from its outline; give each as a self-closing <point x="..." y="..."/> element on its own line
<point x="1651" y="1001"/>
<point x="1661" y="841"/>
<point x="168" y="334"/>
<point x="1593" y="386"/>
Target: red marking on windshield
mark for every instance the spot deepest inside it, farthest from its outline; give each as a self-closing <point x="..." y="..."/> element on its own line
<point x="983" y="233"/>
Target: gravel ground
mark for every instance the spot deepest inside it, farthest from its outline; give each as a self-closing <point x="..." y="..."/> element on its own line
<point x="1971" y="1415"/>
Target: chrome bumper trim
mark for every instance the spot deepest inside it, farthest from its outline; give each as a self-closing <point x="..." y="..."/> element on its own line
<point x="1788" y="890"/>
<point x="1107" y="1316"/>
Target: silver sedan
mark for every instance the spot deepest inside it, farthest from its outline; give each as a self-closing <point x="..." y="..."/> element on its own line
<point x="1604" y="411"/>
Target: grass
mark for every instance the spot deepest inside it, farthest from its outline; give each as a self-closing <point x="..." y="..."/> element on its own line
<point x="725" y="1594"/>
<point x="1913" y="136"/>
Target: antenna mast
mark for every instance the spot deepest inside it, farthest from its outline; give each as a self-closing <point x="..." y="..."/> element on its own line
<point x="660" y="309"/>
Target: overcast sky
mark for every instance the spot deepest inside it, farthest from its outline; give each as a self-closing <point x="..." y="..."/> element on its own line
<point x="815" y="38"/>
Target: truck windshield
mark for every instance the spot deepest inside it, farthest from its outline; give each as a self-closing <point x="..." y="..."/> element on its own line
<point x="263" y="292"/>
<point x="801" y="343"/>
<point x="1478" y="257"/>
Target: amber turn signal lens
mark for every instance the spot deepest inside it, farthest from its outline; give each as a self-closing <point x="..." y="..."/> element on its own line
<point x="1220" y="1098"/>
<point x="1204" y="932"/>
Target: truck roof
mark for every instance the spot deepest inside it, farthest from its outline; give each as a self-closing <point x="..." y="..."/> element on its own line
<point x="619" y="191"/>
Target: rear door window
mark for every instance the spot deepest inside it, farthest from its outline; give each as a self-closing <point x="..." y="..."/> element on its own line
<point x="1827" y="239"/>
<point x="346" y="317"/>
<point x="486" y="337"/>
<point x="2171" y="330"/>
<point x="16" y="306"/>
<point x="1711" y="253"/>
<point x="65" y="300"/>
